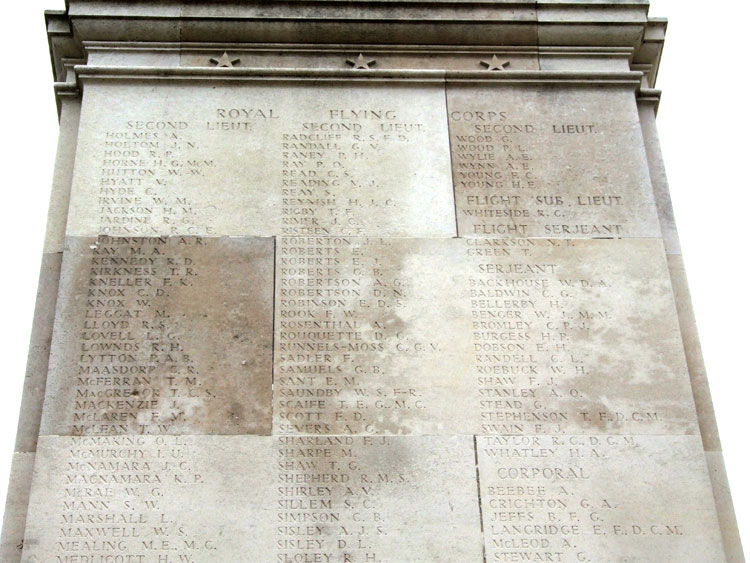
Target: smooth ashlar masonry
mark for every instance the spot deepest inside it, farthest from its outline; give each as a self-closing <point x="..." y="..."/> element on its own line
<point x="277" y="160"/>
<point x="373" y="282"/>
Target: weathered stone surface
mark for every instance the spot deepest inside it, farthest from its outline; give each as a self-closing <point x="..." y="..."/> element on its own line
<point x="725" y="507"/>
<point x="279" y="159"/>
<point x="693" y="354"/>
<point x="146" y="497"/>
<point x="286" y="499"/>
<point x="16" y="503"/>
<point x="662" y="198"/>
<point x="560" y="161"/>
<point x="597" y="498"/>
<point x="363" y="387"/>
<point x="57" y="216"/>
<point x="477" y="336"/>
<point x="167" y="335"/>
<point x="37" y="362"/>
<point x="398" y="498"/>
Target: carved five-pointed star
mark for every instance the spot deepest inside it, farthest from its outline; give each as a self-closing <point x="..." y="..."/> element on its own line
<point x="361" y="62"/>
<point x="225" y="61"/>
<point x="495" y="63"/>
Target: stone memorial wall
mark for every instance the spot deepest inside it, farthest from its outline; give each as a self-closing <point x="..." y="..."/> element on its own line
<point x="363" y="282"/>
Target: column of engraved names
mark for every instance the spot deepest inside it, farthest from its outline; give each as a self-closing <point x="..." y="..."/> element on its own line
<point x="591" y="498"/>
<point x="327" y="507"/>
<point x="143" y="163"/>
<point x="493" y="172"/>
<point x="527" y="317"/>
<point x="503" y="188"/>
<point x="334" y="300"/>
<point x="327" y="180"/>
<point x="133" y="374"/>
<point x="114" y="505"/>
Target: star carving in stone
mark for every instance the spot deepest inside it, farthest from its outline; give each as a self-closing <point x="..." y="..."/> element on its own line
<point x="495" y="64"/>
<point x="225" y="61"/>
<point x="361" y="62"/>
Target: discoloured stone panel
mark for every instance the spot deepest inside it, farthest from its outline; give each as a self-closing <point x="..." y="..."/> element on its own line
<point x="162" y="335"/>
<point x="597" y="498"/>
<point x="477" y="336"/>
<point x="220" y="498"/>
<point x="279" y="159"/>
<point x="557" y="161"/>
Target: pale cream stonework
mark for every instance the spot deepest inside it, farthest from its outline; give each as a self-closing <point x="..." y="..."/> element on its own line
<point x="263" y="160"/>
<point x="377" y="282"/>
<point x="473" y="336"/>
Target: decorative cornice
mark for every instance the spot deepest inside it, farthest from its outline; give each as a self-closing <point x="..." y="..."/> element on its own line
<point x="649" y="96"/>
<point x="88" y="73"/>
<point x="463" y="22"/>
<point x="313" y="39"/>
<point x="647" y="56"/>
<point x="63" y="44"/>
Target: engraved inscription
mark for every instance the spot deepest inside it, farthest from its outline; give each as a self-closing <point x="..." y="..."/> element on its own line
<point x="140" y="166"/>
<point x="150" y="499"/>
<point x="486" y="336"/>
<point x="289" y="499"/>
<point x="130" y="350"/>
<point x="350" y="499"/>
<point x="261" y="160"/>
<point x="596" y="498"/>
<point x="327" y="184"/>
<point x="565" y="163"/>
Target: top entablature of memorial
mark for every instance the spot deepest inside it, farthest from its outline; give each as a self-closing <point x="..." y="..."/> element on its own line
<point x="617" y="34"/>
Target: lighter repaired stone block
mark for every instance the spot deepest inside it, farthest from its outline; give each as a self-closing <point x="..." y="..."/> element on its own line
<point x="162" y="335"/>
<point x="16" y="504"/>
<point x="549" y="162"/>
<point x="261" y="160"/>
<point x="242" y="498"/>
<point x="477" y="336"/>
<point x="602" y="499"/>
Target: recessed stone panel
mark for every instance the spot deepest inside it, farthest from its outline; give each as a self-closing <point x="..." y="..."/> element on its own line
<point x="168" y="335"/>
<point x="599" y="498"/>
<point x="259" y="159"/>
<point x="250" y="498"/>
<point x="477" y="336"/>
<point x="557" y="161"/>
